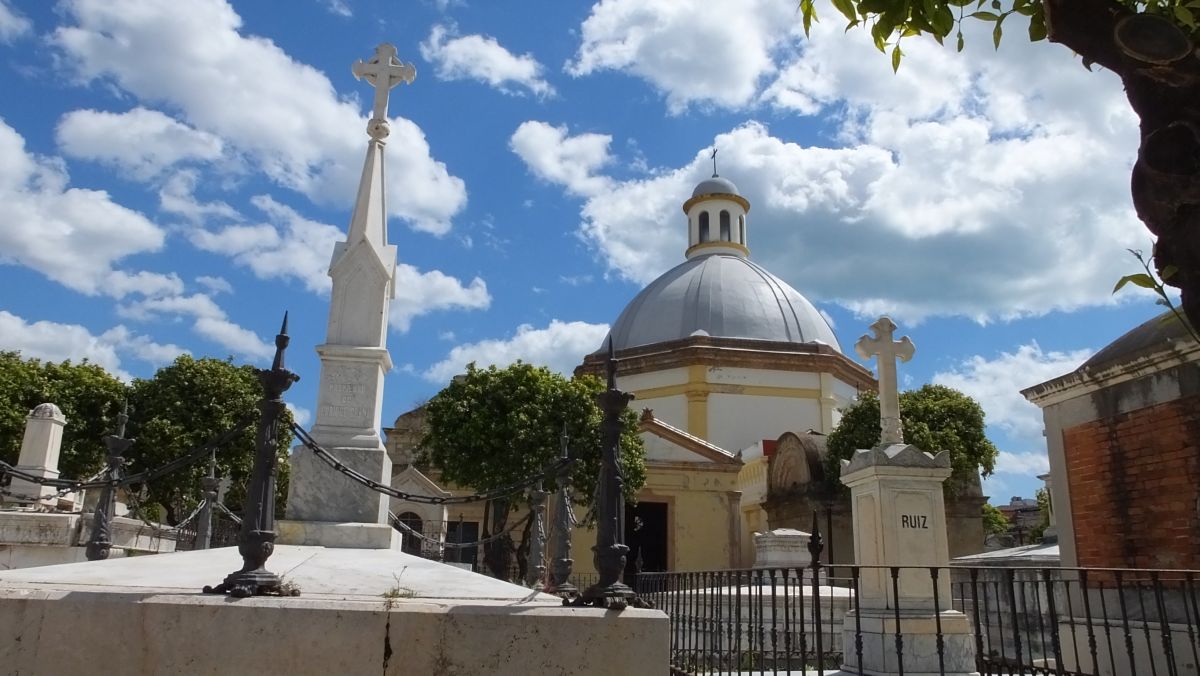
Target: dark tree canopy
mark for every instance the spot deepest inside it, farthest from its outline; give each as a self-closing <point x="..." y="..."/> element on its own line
<point x="185" y="405"/>
<point x="1149" y="44"/>
<point x="88" y="396"/>
<point x="496" y="426"/>
<point x="936" y="418"/>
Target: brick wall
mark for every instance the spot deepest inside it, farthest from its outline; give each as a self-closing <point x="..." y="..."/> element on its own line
<point x="1134" y="481"/>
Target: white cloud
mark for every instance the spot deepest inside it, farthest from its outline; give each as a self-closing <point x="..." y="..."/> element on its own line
<point x="973" y="184"/>
<point x="215" y="285"/>
<point x="12" y="24"/>
<point x="53" y="341"/>
<point x="560" y="346"/>
<point x="73" y="236"/>
<point x="282" y="116"/>
<point x="570" y="161"/>
<point x="209" y="321"/>
<point x="997" y="383"/>
<point x="1026" y="464"/>
<point x="289" y="246"/>
<point x="177" y="196"/>
<point x="418" y="293"/>
<point x="339" y="7"/>
<point x="707" y="51"/>
<point x="482" y="58"/>
<point x="142" y="142"/>
<point x="300" y="414"/>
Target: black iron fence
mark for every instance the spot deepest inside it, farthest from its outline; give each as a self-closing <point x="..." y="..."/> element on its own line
<point x="1063" y="621"/>
<point x="224" y="534"/>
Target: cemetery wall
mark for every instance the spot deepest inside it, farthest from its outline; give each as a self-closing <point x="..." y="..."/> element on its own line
<point x="1133" y="483"/>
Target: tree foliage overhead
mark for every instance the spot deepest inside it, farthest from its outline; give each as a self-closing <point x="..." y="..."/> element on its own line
<point x="936" y="418"/>
<point x="185" y="405"/>
<point x="89" y="397"/>
<point x="1149" y="44"/>
<point x="496" y="426"/>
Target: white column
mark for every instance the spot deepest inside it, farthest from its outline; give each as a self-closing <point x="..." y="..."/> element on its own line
<point x="39" y="453"/>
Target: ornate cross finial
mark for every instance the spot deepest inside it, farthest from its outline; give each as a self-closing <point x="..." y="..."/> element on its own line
<point x="887" y="352"/>
<point x="383" y="71"/>
<point x="714" y="159"/>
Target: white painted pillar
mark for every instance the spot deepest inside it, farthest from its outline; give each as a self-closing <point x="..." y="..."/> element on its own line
<point x="39" y="453"/>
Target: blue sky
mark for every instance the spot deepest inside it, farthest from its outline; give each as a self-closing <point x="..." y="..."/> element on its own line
<point x="173" y="176"/>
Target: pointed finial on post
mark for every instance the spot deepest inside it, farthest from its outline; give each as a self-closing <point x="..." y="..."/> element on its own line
<point x="611" y="366"/>
<point x="281" y="343"/>
<point x="563" y="439"/>
<point x="122" y="418"/>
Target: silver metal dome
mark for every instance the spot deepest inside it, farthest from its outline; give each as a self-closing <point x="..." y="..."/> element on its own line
<point x="715" y="185"/>
<point x="723" y="296"/>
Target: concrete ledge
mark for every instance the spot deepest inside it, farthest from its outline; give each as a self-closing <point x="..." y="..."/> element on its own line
<point x="199" y="634"/>
<point x="340" y="535"/>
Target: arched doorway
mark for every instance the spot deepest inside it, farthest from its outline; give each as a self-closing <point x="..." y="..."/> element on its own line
<point x="411" y="544"/>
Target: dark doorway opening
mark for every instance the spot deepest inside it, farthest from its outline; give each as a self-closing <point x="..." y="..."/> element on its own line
<point x="646" y="536"/>
<point x="462" y="531"/>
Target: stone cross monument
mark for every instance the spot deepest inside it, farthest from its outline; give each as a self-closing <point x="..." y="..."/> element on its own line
<point x="900" y="520"/>
<point x="323" y="506"/>
<point x="888" y="351"/>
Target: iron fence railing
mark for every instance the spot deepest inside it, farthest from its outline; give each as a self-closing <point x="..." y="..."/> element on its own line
<point x="1063" y="621"/>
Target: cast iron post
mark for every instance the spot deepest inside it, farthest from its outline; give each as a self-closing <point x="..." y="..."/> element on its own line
<point x="560" y="540"/>
<point x="535" y="575"/>
<point x="610" y="550"/>
<point x="99" y="545"/>
<point x="256" y="541"/>
<point x="208" y="487"/>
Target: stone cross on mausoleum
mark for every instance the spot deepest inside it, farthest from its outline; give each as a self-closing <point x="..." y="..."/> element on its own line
<point x="887" y="351"/>
<point x="383" y="71"/>
<point x="899" y="518"/>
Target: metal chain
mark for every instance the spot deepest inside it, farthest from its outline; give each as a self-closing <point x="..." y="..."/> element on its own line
<point x="587" y="518"/>
<point x="141" y="477"/>
<point x="229" y="513"/>
<point x="188" y="519"/>
<point x="457" y="545"/>
<point x="502" y="492"/>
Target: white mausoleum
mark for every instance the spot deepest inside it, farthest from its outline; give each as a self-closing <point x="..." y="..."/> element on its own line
<point x="725" y="351"/>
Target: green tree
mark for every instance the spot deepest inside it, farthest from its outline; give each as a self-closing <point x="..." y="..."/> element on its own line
<point x="186" y="404"/>
<point x="88" y="396"/>
<point x="496" y="426"/>
<point x="936" y="418"/>
<point x="994" y="521"/>
<point x="1149" y="44"/>
<point x="1043" y="500"/>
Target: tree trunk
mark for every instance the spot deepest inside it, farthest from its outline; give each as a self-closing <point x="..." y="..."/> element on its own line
<point x="1160" y="69"/>
<point x="497" y="553"/>
<point x="523" y="550"/>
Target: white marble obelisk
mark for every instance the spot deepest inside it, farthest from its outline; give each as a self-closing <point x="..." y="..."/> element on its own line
<point x="323" y="506"/>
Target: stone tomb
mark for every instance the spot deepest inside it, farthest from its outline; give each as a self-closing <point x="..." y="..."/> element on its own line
<point x="360" y="611"/>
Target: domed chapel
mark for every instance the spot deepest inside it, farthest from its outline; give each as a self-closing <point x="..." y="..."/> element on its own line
<point x="724" y="358"/>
